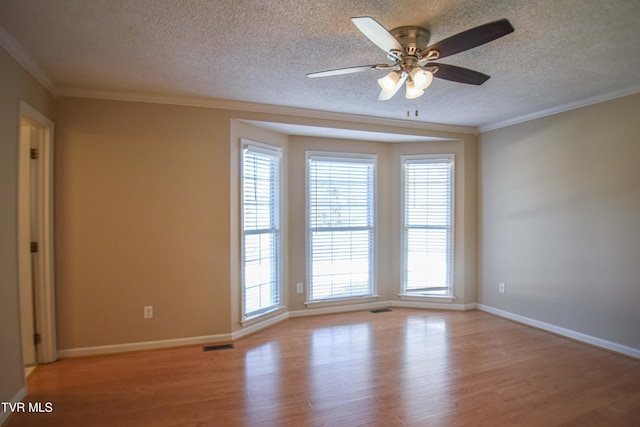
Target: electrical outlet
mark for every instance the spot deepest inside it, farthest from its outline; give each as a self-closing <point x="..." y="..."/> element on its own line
<point x="299" y="288"/>
<point x="148" y="312"/>
<point x="501" y="287"/>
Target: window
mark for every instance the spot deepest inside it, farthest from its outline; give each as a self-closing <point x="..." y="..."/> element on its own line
<point x="261" y="247"/>
<point x="428" y="225"/>
<point x="341" y="225"/>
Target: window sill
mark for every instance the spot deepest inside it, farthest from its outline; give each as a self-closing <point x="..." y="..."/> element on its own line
<point x="341" y="301"/>
<point x="426" y="298"/>
<point x="262" y="316"/>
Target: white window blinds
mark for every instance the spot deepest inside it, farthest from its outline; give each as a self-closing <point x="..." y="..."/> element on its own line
<point x="261" y="250"/>
<point x="341" y="226"/>
<point x="428" y="198"/>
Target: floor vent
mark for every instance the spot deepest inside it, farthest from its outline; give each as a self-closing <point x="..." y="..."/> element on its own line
<point x="381" y="310"/>
<point x="216" y="347"/>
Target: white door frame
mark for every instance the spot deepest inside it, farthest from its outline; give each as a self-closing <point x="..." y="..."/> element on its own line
<point x="44" y="292"/>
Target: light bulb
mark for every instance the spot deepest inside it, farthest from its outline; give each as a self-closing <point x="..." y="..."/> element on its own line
<point x="413" y="91"/>
<point x="421" y="78"/>
<point x="388" y="82"/>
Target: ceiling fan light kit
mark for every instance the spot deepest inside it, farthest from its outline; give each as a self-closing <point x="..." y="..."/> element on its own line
<point x="411" y="57"/>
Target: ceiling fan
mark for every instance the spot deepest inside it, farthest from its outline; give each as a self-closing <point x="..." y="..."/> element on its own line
<point x="411" y="57"/>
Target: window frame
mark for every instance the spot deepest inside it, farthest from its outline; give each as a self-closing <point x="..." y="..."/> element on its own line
<point x="275" y="152"/>
<point x="345" y="157"/>
<point x="425" y="295"/>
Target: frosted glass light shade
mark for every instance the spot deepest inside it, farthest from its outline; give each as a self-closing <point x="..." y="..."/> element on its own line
<point x="421" y="78"/>
<point x="388" y="82"/>
<point x="413" y="91"/>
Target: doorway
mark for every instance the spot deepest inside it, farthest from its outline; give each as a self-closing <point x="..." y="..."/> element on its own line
<point x="35" y="238"/>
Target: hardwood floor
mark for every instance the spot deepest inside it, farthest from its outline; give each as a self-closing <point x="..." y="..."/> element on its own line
<point x="405" y="367"/>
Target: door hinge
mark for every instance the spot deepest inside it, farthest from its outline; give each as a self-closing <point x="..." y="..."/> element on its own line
<point x="34" y="247"/>
<point x="37" y="339"/>
<point x="35" y="153"/>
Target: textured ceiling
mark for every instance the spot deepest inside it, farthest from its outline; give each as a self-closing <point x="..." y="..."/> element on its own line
<point x="562" y="52"/>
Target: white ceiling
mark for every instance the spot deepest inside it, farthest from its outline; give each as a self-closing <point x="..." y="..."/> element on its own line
<point x="562" y="53"/>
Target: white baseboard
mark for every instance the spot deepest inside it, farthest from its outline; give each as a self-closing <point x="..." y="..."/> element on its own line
<point x="255" y="327"/>
<point x="223" y="338"/>
<point x="339" y="309"/>
<point x="382" y="304"/>
<point x="578" y="336"/>
<point x="434" y="305"/>
<point x="21" y="394"/>
<point x="258" y="326"/>
<point x="146" y="345"/>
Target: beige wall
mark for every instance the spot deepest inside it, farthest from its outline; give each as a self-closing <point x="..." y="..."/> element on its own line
<point x="560" y="220"/>
<point x="15" y="85"/>
<point x="142" y="218"/>
<point x="147" y="213"/>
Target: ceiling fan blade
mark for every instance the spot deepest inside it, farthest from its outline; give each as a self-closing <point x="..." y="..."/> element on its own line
<point x="469" y="39"/>
<point x="458" y="74"/>
<point x="341" y="71"/>
<point x="377" y="33"/>
<point x="383" y="96"/>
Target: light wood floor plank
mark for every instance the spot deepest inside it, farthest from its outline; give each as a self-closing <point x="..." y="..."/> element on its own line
<point x="401" y="368"/>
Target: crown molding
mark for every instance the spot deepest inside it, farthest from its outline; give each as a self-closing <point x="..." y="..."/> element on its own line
<point x="21" y="56"/>
<point x="225" y="104"/>
<point x="561" y="108"/>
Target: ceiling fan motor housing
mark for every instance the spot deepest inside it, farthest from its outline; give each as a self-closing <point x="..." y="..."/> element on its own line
<point x="414" y="39"/>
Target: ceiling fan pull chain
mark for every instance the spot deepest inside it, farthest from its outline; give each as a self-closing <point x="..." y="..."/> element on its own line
<point x="409" y="113"/>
